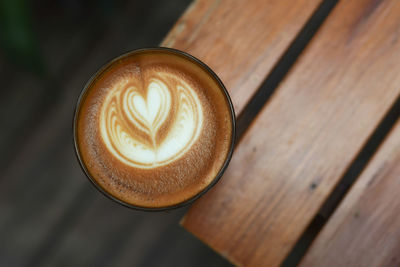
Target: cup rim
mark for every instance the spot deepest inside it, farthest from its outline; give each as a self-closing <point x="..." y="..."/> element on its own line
<point x="104" y="68"/>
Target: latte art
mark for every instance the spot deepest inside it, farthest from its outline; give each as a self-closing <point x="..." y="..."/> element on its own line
<point x="134" y="112"/>
<point x="154" y="128"/>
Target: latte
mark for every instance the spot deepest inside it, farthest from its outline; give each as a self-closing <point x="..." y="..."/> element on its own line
<point x="154" y="128"/>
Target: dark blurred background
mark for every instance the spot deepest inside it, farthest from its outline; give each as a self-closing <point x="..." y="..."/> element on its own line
<point x="50" y="215"/>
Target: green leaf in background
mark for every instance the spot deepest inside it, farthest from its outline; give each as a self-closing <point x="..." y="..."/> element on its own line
<point x="17" y="38"/>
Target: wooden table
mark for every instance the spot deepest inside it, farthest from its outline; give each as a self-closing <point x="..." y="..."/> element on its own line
<point x="315" y="86"/>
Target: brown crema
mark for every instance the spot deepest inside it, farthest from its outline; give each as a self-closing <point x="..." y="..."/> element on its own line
<point x="153" y="128"/>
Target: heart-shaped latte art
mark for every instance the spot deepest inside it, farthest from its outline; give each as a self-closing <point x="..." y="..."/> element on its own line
<point x="131" y="119"/>
<point x="150" y="112"/>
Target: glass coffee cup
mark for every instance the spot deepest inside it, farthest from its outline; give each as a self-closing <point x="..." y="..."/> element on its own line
<point x="154" y="129"/>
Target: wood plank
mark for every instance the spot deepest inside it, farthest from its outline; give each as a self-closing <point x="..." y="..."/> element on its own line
<point x="68" y="243"/>
<point x="240" y="40"/>
<point x="365" y="229"/>
<point x="302" y="142"/>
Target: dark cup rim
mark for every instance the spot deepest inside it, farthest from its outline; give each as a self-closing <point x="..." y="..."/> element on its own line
<point x="104" y="68"/>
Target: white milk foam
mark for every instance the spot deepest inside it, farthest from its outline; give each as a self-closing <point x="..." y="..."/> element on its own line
<point x="127" y="111"/>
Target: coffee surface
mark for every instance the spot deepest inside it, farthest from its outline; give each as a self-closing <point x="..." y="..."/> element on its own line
<point x="153" y="128"/>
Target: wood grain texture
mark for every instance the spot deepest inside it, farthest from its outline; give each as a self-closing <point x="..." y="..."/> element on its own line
<point x="240" y="40"/>
<point x="303" y="141"/>
<point x="365" y="230"/>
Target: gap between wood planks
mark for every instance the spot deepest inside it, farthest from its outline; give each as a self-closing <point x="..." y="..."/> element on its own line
<point x="343" y="186"/>
<point x="280" y="70"/>
<point x="253" y="107"/>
